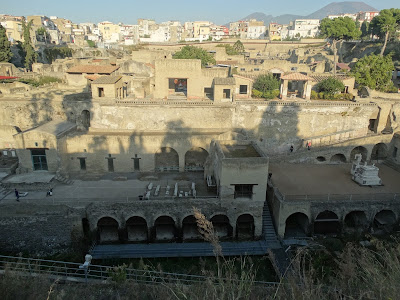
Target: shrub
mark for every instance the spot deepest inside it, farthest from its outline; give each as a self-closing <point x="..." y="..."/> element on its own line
<point x="314" y="95"/>
<point x="40" y="81"/>
<point x="330" y="86"/>
<point x="266" y="82"/>
<point x="257" y="94"/>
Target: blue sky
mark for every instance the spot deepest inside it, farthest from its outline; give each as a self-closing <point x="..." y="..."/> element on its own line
<point x="218" y="11"/>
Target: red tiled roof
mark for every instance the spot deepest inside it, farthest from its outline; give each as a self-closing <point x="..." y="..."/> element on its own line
<point x="296" y="76"/>
<point x="343" y="66"/>
<point x="93" y="69"/>
<point x="91" y="77"/>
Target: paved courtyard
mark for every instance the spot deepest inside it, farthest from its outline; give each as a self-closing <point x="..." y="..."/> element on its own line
<point x="302" y="179"/>
<point x="115" y="188"/>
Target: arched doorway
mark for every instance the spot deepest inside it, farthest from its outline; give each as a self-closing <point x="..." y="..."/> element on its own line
<point x="189" y="228"/>
<point x="321" y="158"/>
<point x="338" y="158"/>
<point x="222" y="227"/>
<point x="327" y="222"/>
<point x="85" y="119"/>
<point x="379" y="152"/>
<point x="297" y="225"/>
<point x="359" y="150"/>
<point x="167" y="160"/>
<point x="384" y="221"/>
<point x="356" y="221"/>
<point x="245" y="227"/>
<point x="136" y="228"/>
<point x="195" y="159"/>
<point x="165" y="229"/>
<point x="107" y="230"/>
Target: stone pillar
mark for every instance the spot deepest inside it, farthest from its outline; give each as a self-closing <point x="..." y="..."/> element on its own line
<point x="181" y="162"/>
<point x="308" y="87"/>
<point x="284" y="89"/>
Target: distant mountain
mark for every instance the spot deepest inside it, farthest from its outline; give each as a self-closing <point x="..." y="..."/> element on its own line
<point x="336" y="8"/>
<point x="333" y="8"/>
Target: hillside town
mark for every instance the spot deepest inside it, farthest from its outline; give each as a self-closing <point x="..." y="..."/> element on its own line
<point x="181" y="140"/>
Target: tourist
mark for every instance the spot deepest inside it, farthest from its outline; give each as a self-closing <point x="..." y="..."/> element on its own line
<point x="291" y="148"/>
<point x="309" y="146"/>
<point x="16" y="194"/>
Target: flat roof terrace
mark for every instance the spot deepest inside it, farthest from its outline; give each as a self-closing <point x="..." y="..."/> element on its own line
<point x="239" y="151"/>
<point x="301" y="179"/>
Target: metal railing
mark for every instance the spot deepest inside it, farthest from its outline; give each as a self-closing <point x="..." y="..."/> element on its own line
<point x="71" y="271"/>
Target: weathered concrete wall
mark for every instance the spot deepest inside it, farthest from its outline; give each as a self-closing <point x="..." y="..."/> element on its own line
<point x="38" y="229"/>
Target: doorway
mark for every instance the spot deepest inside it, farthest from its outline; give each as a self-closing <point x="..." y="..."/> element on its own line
<point x="39" y="160"/>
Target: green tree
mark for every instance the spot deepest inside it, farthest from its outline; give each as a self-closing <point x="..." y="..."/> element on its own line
<point x="330" y="86"/>
<point x="5" y="46"/>
<point x="29" y="52"/>
<point x="238" y="46"/>
<point x="266" y="86"/>
<point x="375" y="72"/>
<point x="191" y="52"/>
<point x="365" y="31"/>
<point x="43" y="34"/>
<point x="337" y="30"/>
<point x="385" y="24"/>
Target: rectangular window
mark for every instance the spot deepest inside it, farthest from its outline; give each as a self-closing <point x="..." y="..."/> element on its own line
<point x="256" y="69"/>
<point x="39" y="159"/>
<point x="244" y="190"/>
<point x="395" y="152"/>
<point x="101" y="92"/>
<point x="5" y="152"/>
<point x="242" y="69"/>
<point x="208" y="92"/>
<point x="226" y="93"/>
<point x="243" y="89"/>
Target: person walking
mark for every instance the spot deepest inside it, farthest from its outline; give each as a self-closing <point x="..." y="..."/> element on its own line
<point x="291" y="149"/>
<point x="16" y="194"/>
<point x="309" y="146"/>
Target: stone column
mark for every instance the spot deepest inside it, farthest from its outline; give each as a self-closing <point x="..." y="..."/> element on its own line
<point x="284" y="89"/>
<point x="307" y="91"/>
<point x="181" y="162"/>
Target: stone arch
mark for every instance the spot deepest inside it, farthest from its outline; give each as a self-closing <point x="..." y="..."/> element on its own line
<point x="327" y="222"/>
<point x="321" y="158"/>
<point x="85" y="118"/>
<point x="245" y="227"/>
<point x="166" y="159"/>
<point x="195" y="159"/>
<point x="297" y="225"/>
<point x="164" y="228"/>
<point x="222" y="226"/>
<point x="379" y="152"/>
<point x="359" y="150"/>
<point x="136" y="228"/>
<point x="107" y="230"/>
<point x="189" y="228"/>
<point x="356" y="220"/>
<point x="338" y="158"/>
<point x="384" y="221"/>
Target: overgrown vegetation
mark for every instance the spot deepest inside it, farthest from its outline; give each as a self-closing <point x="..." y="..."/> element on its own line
<point x="331" y="89"/>
<point x="40" y="81"/>
<point x="266" y="86"/>
<point x="91" y="44"/>
<point x="191" y="52"/>
<point x="385" y="25"/>
<point x="57" y="52"/>
<point x="229" y="49"/>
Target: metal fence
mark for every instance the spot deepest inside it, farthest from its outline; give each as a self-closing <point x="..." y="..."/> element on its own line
<point x="71" y="271"/>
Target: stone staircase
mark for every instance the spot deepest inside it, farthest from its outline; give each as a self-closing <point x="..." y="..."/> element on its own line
<point x="177" y="97"/>
<point x="279" y="257"/>
<point x="4" y="192"/>
<point x="62" y="179"/>
<point x="268" y="229"/>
